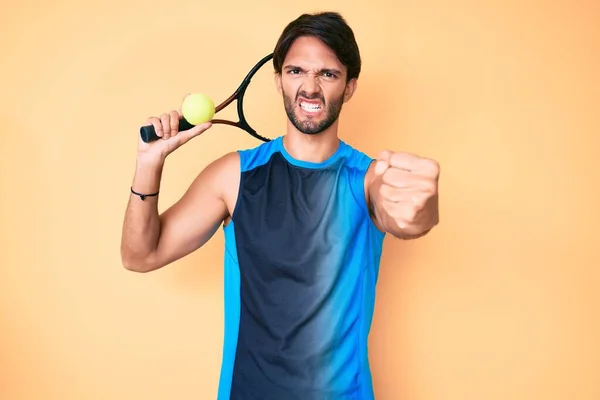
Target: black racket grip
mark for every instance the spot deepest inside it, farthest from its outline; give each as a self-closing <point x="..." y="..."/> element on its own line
<point x="148" y="133"/>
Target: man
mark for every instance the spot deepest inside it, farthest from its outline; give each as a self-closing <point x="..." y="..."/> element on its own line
<point x="304" y="217"/>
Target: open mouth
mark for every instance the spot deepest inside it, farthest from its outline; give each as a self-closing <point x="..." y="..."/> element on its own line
<point x="310" y="106"/>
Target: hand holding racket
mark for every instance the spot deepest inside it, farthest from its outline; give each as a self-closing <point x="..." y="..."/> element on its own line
<point x="167" y="127"/>
<point x="177" y="126"/>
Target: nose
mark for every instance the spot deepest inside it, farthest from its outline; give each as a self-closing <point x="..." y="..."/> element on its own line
<point x="311" y="84"/>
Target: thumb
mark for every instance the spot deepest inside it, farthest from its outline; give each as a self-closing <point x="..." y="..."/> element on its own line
<point x="185" y="136"/>
<point x="383" y="162"/>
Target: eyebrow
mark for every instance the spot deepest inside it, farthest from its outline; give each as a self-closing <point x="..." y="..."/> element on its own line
<point x="330" y="70"/>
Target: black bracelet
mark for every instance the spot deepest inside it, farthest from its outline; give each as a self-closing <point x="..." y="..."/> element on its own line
<point x="143" y="196"/>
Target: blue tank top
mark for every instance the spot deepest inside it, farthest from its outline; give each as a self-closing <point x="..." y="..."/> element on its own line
<point x="301" y="264"/>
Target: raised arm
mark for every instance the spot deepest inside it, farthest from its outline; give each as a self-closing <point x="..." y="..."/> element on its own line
<point x="151" y="241"/>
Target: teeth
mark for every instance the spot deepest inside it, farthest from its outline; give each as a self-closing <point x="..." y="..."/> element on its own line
<point x="310" y="107"/>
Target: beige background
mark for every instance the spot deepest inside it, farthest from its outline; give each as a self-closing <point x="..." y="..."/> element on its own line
<point x="500" y="302"/>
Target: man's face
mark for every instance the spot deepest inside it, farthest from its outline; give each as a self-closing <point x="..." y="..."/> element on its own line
<point x="313" y="85"/>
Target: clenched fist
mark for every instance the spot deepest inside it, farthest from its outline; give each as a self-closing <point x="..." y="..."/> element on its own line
<point x="406" y="198"/>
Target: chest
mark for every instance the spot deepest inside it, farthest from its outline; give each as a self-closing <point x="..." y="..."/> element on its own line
<point x="284" y="212"/>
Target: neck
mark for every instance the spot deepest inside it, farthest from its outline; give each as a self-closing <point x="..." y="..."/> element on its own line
<point x="311" y="148"/>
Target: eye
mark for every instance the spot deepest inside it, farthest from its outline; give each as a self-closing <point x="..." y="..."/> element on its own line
<point x="294" y="71"/>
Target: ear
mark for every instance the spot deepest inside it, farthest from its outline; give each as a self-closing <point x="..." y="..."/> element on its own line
<point x="277" y="77"/>
<point x="350" y="89"/>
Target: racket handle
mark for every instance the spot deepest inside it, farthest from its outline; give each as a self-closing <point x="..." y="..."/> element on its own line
<point x="148" y="133"/>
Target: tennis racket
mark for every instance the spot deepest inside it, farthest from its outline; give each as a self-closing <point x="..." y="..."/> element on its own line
<point x="149" y="135"/>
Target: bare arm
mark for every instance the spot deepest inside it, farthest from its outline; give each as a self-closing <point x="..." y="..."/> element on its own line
<point x="151" y="241"/>
<point x="402" y="194"/>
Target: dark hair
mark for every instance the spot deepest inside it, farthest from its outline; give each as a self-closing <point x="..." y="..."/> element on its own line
<point x="331" y="29"/>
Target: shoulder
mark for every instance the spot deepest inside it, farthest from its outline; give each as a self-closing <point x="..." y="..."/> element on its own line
<point x="362" y="173"/>
<point x="218" y="177"/>
<point x="253" y="157"/>
<point x="228" y="166"/>
<point x="223" y="166"/>
<point x="356" y="159"/>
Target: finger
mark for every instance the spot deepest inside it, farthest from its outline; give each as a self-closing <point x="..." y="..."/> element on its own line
<point x="394" y="194"/>
<point x="399" y="178"/>
<point x="155" y="122"/>
<point x="166" y="125"/>
<point x="185" y="136"/>
<point x="384" y="155"/>
<point x="406" y="161"/>
<point x="380" y="167"/>
<point x="174" y="120"/>
<point x="382" y="162"/>
<point x="415" y="164"/>
<point x="405" y="180"/>
<point x="408" y="198"/>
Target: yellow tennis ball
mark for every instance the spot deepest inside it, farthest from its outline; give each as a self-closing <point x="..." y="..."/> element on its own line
<point x="197" y="108"/>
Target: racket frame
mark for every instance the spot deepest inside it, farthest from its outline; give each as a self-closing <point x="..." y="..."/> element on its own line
<point x="148" y="133"/>
<point x="238" y="95"/>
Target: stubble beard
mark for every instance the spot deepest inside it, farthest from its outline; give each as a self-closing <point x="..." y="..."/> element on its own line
<point x="310" y="126"/>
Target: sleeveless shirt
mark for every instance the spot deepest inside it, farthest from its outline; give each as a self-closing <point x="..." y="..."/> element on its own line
<point x="301" y="264"/>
